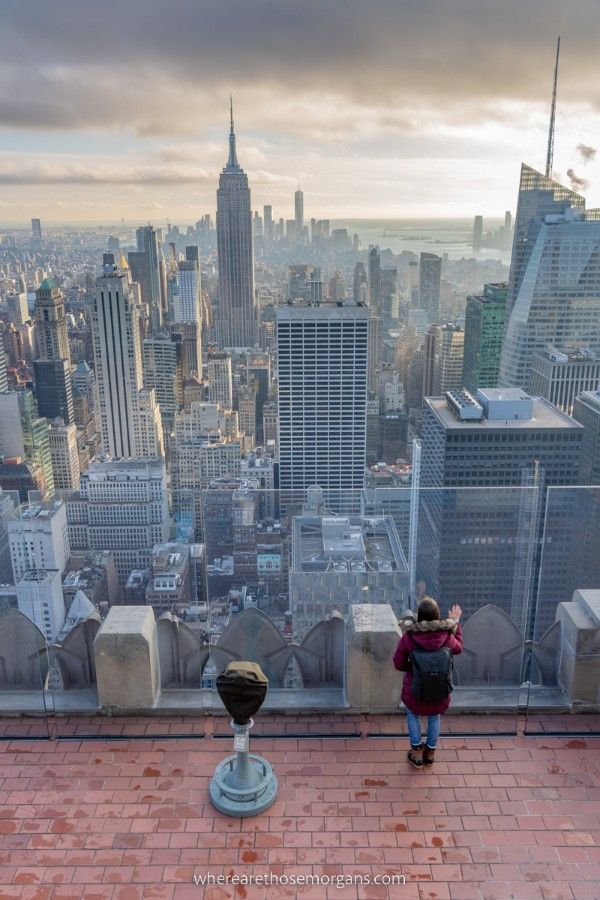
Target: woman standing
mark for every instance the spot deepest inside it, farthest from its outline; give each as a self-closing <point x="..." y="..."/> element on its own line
<point x="425" y="653"/>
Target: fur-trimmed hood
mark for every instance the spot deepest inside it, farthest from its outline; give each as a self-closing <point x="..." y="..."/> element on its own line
<point x="409" y="623"/>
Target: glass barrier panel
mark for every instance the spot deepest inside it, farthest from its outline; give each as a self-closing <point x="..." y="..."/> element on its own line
<point x="29" y="602"/>
<point x="150" y="581"/>
<point x="565" y="626"/>
<point x="273" y="598"/>
<point x="474" y="547"/>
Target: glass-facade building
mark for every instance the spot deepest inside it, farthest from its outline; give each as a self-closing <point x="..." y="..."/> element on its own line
<point x="484" y="328"/>
<point x="554" y="286"/>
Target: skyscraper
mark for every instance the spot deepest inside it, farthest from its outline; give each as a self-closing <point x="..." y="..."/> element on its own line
<point x="220" y="380"/>
<point x="237" y="324"/>
<point x="188" y="310"/>
<point x="299" y="212"/>
<point x="146" y="270"/>
<point x="554" y="285"/>
<point x="430" y="276"/>
<point x="484" y="328"/>
<point x="561" y="377"/>
<point x="471" y="542"/>
<point x="539" y="196"/>
<point x="118" y="366"/>
<point x="268" y="222"/>
<point x="52" y="370"/>
<point x="122" y="506"/>
<point x="477" y="232"/>
<point x="163" y="371"/>
<point x="52" y="335"/>
<point x="36" y="234"/>
<point x="375" y="280"/>
<point x="322" y="354"/>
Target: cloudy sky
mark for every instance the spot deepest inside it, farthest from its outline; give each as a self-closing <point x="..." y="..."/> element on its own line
<point x="382" y="108"/>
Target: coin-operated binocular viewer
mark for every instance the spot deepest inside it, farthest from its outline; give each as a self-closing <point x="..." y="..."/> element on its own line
<point x="243" y="784"/>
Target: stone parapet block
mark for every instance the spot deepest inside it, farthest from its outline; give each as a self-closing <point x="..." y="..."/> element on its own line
<point x="580" y="650"/>
<point x="372" y="683"/>
<point x="127" y="660"/>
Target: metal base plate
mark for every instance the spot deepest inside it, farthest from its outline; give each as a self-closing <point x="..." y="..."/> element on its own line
<point x="246" y="800"/>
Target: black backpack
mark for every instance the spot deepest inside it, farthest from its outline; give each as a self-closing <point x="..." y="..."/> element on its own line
<point x="432" y="672"/>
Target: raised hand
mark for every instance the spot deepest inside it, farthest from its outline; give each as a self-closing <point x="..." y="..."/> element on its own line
<point x="455" y="612"/>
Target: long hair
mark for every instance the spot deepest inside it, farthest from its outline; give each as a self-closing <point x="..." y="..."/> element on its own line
<point x="428" y="610"/>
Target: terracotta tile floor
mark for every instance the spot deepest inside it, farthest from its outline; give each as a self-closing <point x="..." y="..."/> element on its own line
<point x="496" y="818"/>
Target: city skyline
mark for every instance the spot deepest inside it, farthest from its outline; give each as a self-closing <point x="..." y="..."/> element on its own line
<point x="436" y="131"/>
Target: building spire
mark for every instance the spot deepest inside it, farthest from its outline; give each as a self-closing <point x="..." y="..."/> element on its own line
<point x="550" y="150"/>
<point x="232" y="162"/>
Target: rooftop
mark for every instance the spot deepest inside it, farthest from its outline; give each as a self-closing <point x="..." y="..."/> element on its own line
<point x="130" y="819"/>
<point x="544" y="416"/>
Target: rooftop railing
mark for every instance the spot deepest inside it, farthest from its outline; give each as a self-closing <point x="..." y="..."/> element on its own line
<point x="313" y="591"/>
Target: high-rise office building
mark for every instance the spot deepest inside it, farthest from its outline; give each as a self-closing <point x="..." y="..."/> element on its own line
<point x="299" y="212"/>
<point x="64" y="453"/>
<point x="305" y="282"/>
<point x="375" y="351"/>
<point x="121" y="506"/>
<point x="258" y="373"/>
<point x="430" y="276"/>
<point x="268" y="222"/>
<point x="220" y="380"/>
<point x="52" y="336"/>
<point x="554" y="284"/>
<point x="539" y="196"/>
<point x="118" y="367"/>
<point x="412" y="283"/>
<point x="18" y="310"/>
<point x="484" y="328"/>
<point x="151" y="285"/>
<point x="322" y="358"/>
<point x="586" y="411"/>
<point x="163" y="371"/>
<point x="40" y="598"/>
<point x="54" y="389"/>
<point x="52" y="370"/>
<point x="477" y="232"/>
<point x="187" y="306"/>
<point x="3" y="375"/>
<point x="23" y="434"/>
<point x="443" y="370"/>
<point x="205" y="445"/>
<point x="375" y="280"/>
<point x="360" y="284"/>
<point x="476" y="544"/>
<point x="237" y="324"/>
<point x="36" y="234"/>
<point x="561" y="377"/>
<point x="38" y="537"/>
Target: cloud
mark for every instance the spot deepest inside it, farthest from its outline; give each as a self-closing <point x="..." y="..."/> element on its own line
<point x="13" y="171"/>
<point x="588" y="154"/>
<point x="110" y="65"/>
<point x="577" y="183"/>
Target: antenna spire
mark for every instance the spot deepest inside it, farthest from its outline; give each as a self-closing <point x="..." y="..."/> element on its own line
<point x="550" y="151"/>
<point x="232" y="162"/>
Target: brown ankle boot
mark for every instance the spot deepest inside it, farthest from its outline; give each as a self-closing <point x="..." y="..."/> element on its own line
<point x="415" y="756"/>
<point x="428" y="755"/>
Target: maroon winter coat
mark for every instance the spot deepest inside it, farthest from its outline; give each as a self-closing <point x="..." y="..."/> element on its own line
<point x="429" y="636"/>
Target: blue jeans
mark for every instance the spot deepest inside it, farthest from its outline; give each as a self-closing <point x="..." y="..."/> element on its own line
<point x="414" y="729"/>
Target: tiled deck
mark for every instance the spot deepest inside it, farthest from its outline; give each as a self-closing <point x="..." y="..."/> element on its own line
<point x="498" y="817"/>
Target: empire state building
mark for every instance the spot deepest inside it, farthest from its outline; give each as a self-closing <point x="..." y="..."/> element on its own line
<point x="237" y="320"/>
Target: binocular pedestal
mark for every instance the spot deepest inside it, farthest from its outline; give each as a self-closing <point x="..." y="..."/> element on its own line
<point x="243" y="784"/>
